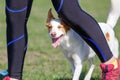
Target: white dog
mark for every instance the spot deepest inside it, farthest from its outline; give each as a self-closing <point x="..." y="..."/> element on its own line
<point x="74" y="47"/>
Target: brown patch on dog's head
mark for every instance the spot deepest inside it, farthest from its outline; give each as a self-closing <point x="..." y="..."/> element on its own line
<point x="49" y="18"/>
<point x="107" y="36"/>
<point x="65" y="26"/>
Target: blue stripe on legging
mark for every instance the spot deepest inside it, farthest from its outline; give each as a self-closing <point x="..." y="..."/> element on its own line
<point x="102" y="54"/>
<point x="61" y="3"/>
<point x="16" y="11"/>
<point x="13" y="41"/>
<point x="26" y="46"/>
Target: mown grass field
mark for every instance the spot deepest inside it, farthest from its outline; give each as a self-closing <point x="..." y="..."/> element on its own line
<point x="43" y="62"/>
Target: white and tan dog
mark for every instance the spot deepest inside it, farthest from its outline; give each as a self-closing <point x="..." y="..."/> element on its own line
<point x="74" y="47"/>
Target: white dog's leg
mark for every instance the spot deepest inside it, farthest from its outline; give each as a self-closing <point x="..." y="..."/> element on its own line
<point x="89" y="73"/>
<point x="78" y="70"/>
<point x="78" y="66"/>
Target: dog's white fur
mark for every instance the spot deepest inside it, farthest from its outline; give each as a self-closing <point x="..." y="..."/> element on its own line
<point x="75" y="48"/>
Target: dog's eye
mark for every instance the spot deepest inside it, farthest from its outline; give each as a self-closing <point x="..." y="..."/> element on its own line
<point x="49" y="27"/>
<point x="59" y="27"/>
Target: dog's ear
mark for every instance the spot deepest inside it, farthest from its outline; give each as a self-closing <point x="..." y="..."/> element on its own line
<point x="50" y="15"/>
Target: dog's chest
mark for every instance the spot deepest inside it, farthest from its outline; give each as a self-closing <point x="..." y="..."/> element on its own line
<point x="72" y="43"/>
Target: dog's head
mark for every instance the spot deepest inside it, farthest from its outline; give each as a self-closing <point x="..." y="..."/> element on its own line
<point x="56" y="28"/>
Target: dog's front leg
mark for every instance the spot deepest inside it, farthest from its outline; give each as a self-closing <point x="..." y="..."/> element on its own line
<point x="78" y="66"/>
<point x="77" y="72"/>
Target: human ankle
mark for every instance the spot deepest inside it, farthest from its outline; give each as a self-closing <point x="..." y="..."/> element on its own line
<point x="110" y="61"/>
<point x="113" y="61"/>
<point x="13" y="79"/>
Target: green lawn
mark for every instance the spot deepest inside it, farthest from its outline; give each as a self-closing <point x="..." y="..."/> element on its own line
<point x="43" y="62"/>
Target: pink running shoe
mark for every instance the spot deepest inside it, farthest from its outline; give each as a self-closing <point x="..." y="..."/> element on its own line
<point x="7" y="78"/>
<point x="109" y="73"/>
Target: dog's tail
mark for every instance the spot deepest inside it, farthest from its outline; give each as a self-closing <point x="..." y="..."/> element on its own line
<point x="114" y="13"/>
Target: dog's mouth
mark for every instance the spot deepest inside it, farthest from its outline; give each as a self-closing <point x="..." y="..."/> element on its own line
<point x="56" y="41"/>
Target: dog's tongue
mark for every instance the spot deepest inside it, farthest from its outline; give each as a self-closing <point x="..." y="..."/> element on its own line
<point x="56" y="42"/>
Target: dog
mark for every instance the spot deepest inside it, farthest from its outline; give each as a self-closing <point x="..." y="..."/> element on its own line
<point x="75" y="49"/>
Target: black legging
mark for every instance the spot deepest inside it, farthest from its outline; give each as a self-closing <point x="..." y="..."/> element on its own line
<point x="17" y="13"/>
<point x="84" y="25"/>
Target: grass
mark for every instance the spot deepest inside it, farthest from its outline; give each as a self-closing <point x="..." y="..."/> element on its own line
<point x="43" y="62"/>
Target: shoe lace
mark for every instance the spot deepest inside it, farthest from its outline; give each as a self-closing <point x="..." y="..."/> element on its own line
<point x="111" y="75"/>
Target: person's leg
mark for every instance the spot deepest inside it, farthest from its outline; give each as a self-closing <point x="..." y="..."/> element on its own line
<point x="17" y="13"/>
<point x="86" y="26"/>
